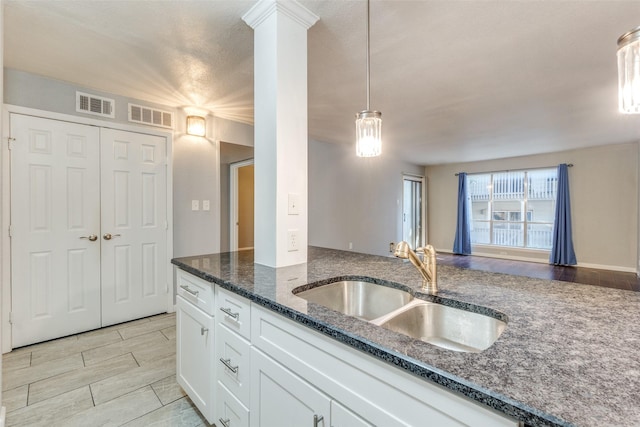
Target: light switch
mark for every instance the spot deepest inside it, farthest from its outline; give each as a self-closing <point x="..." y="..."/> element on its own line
<point x="195" y="205"/>
<point x="294" y="204"/>
<point x="206" y="205"/>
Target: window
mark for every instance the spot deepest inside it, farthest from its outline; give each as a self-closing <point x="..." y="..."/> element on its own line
<point x="500" y="200"/>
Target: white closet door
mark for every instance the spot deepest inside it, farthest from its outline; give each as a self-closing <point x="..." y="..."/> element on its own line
<point x="55" y="203"/>
<point x="134" y="213"/>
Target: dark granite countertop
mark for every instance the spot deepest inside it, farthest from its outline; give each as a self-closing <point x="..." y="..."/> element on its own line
<point x="568" y="356"/>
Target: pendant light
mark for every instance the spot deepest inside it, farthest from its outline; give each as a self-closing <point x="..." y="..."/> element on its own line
<point x="629" y="72"/>
<point x="368" y="123"/>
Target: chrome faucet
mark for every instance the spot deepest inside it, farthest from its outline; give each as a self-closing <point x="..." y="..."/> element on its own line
<point x="427" y="268"/>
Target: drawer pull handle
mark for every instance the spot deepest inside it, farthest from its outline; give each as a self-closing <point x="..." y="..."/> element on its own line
<point x="203" y="330"/>
<point x="186" y="288"/>
<point x="228" y="312"/>
<point x="317" y="420"/>
<point x="227" y="363"/>
<point x="225" y="423"/>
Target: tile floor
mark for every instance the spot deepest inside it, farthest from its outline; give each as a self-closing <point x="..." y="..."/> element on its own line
<point x="123" y="375"/>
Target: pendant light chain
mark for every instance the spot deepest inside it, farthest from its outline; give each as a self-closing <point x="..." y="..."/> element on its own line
<point x="368" y="59"/>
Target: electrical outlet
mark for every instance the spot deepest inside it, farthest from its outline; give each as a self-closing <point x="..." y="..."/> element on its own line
<point x="195" y="205"/>
<point x="206" y="205"/>
<point x="293" y="240"/>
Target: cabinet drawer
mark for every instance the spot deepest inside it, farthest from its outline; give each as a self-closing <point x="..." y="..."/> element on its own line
<point x="233" y="356"/>
<point x="231" y="413"/>
<point x="195" y="290"/>
<point x="234" y="312"/>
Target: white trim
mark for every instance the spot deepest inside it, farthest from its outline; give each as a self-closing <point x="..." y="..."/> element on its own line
<point x="3" y="416"/>
<point x="233" y="202"/>
<point x="5" y="280"/>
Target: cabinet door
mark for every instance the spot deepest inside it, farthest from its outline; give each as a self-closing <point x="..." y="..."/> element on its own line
<point x="281" y="398"/>
<point x="55" y="221"/>
<point x="195" y="356"/>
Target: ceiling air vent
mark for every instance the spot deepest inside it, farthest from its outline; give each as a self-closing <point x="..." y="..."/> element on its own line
<point x="96" y="105"/>
<point x="150" y="116"/>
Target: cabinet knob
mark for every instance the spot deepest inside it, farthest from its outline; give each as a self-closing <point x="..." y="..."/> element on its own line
<point x="225" y="423"/>
<point x="203" y="330"/>
<point x="317" y="420"/>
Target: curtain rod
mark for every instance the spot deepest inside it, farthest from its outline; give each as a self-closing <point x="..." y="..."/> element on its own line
<point x="515" y="170"/>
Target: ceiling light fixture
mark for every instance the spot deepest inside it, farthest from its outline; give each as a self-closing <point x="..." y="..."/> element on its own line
<point x="629" y="72"/>
<point x="368" y="123"/>
<point x="196" y="126"/>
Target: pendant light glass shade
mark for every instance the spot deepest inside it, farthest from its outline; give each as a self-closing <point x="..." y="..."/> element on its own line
<point x="369" y="134"/>
<point x="629" y="72"/>
<point x="368" y="123"/>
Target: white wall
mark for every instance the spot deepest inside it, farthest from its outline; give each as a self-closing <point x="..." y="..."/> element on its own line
<point x="197" y="176"/>
<point x="352" y="199"/>
<point x="604" y="199"/>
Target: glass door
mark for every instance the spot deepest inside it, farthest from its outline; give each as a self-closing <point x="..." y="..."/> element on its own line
<point x="412" y="211"/>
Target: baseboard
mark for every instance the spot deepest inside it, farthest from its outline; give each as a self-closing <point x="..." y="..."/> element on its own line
<point x="3" y="415"/>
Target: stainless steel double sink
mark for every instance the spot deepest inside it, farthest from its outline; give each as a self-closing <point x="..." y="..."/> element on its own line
<point x="398" y="310"/>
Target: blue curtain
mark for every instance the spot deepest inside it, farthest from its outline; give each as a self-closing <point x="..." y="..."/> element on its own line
<point x="462" y="242"/>
<point x="562" y="252"/>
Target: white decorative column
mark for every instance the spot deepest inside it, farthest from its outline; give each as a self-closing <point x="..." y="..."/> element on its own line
<point x="281" y="138"/>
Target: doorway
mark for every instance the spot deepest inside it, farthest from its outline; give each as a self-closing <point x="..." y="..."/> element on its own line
<point x="413" y="212"/>
<point x="241" y="213"/>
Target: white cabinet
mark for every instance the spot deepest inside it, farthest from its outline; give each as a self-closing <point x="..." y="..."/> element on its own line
<point x="195" y="345"/>
<point x="367" y="387"/>
<point x="342" y="417"/>
<point x="271" y="371"/>
<point x="233" y="355"/>
<point x="281" y="398"/>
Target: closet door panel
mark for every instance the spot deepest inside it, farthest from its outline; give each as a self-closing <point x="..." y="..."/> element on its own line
<point x="134" y="212"/>
<point x="55" y="208"/>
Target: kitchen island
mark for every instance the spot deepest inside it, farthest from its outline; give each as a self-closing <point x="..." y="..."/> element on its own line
<point x="567" y="356"/>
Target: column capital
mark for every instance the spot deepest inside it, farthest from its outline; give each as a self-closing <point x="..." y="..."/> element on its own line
<point x="291" y="8"/>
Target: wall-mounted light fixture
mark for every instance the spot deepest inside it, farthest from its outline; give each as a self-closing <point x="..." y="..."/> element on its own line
<point x="629" y="72"/>
<point x="368" y="123"/>
<point x="196" y="126"/>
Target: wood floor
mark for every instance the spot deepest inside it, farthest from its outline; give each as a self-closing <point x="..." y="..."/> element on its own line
<point x="122" y="375"/>
<point x="587" y="276"/>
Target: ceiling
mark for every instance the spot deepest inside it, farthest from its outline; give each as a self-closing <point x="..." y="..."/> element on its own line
<point x="455" y="80"/>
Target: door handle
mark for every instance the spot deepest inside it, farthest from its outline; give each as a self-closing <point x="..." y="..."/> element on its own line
<point x="109" y="236"/>
<point x="91" y="237"/>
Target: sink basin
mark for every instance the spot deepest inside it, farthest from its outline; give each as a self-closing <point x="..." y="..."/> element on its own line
<point x="445" y="326"/>
<point x="364" y="300"/>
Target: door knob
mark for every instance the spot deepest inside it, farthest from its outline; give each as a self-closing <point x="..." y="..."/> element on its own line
<point x="109" y="236"/>
<point x="91" y="237"/>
